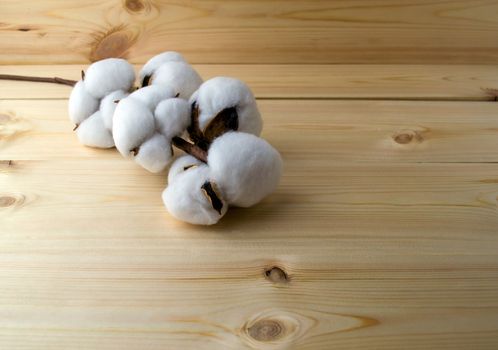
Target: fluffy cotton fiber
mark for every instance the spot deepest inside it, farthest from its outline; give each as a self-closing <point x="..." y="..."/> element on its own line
<point x="108" y="106"/>
<point x="106" y="76"/>
<point x="81" y="103"/>
<point x="180" y="76"/>
<point x="220" y="93"/>
<point x="93" y="133"/>
<point x="245" y="167"/>
<point x="133" y="124"/>
<point x="182" y="164"/>
<point x="146" y="121"/>
<point x="152" y="95"/>
<point x="150" y="67"/>
<point x="170" y="69"/>
<point x="104" y="82"/>
<point x="187" y="201"/>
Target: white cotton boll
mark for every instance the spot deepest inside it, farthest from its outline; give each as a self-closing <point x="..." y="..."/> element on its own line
<point x="219" y="93"/>
<point x="92" y="132"/>
<point x="186" y="200"/>
<point x="81" y="104"/>
<point x="152" y="95"/>
<point x="150" y="67"/>
<point x="246" y="168"/>
<point x="172" y="117"/>
<point x="106" y="76"/>
<point x="133" y="123"/>
<point x="180" y="76"/>
<point x="108" y="106"/>
<point x="182" y="164"/>
<point x="155" y="153"/>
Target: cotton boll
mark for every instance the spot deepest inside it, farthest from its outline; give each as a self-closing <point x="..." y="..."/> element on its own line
<point x="152" y="95"/>
<point x="106" y="76"/>
<point x="220" y="93"/>
<point x="246" y="168"/>
<point x="193" y="198"/>
<point x="180" y="76"/>
<point x="108" y="106"/>
<point x="172" y="117"/>
<point x="92" y="132"/>
<point x="155" y="153"/>
<point x="150" y="67"/>
<point x="81" y="103"/>
<point x="133" y="123"/>
<point x="181" y="165"/>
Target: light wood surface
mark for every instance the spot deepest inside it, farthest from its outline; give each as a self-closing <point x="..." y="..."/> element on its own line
<point x="385" y="223"/>
<point x="251" y="31"/>
<point x="411" y="82"/>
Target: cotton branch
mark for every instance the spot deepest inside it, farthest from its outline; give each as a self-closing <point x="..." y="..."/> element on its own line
<point x="53" y="80"/>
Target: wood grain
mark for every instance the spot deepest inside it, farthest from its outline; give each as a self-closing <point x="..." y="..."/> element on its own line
<point x="376" y="256"/>
<point x="331" y="131"/>
<point x="381" y="235"/>
<point x="410" y="82"/>
<point x="249" y="31"/>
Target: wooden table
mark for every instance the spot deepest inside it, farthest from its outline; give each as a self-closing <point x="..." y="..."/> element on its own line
<point x="383" y="233"/>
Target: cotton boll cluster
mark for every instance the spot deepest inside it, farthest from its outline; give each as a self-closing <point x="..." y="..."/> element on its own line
<point x="145" y="123"/>
<point x="91" y="103"/>
<point x="241" y="170"/>
<point x="227" y="163"/>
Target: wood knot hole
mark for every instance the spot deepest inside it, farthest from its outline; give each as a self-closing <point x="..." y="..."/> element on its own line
<point x="276" y="275"/>
<point x="266" y="330"/>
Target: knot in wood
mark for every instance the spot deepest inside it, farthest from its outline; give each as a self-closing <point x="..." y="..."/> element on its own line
<point x="134" y="5"/>
<point x="403" y="138"/>
<point x="408" y="136"/>
<point x="276" y="275"/>
<point x="7" y="201"/>
<point x="266" y="330"/>
<point x="114" y="43"/>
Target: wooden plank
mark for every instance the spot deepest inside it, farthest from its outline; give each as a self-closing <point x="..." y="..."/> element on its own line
<point x="385" y="201"/>
<point x="414" y="82"/>
<point x="380" y="256"/>
<point x="248" y="31"/>
<point x="333" y="131"/>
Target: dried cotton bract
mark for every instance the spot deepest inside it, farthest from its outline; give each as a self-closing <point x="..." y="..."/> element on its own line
<point x="91" y="103"/>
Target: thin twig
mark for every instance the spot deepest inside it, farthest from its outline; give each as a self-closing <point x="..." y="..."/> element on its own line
<point x="54" y="80"/>
<point x="190" y="148"/>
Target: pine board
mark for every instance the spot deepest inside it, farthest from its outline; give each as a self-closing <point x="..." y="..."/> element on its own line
<point x="291" y="81"/>
<point x="385" y="223"/>
<point x="251" y="31"/>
